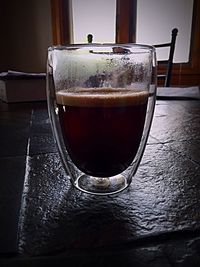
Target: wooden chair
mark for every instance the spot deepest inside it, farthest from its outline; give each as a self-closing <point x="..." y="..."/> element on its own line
<point x="169" y="62"/>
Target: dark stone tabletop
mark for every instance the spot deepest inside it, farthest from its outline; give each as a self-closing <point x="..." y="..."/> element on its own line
<point x="47" y="222"/>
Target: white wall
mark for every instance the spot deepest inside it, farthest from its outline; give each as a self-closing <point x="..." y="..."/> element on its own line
<point x="156" y="19"/>
<point x="96" y="17"/>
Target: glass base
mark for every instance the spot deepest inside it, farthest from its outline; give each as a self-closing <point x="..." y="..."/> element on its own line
<point x="101" y="186"/>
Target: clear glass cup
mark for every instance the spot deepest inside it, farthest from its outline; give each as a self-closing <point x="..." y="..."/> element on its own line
<point x="101" y="101"/>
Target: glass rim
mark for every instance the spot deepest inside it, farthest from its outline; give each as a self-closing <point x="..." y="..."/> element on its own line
<point x="135" y="46"/>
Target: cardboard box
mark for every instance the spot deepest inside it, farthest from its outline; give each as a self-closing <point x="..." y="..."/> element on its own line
<point x="22" y="87"/>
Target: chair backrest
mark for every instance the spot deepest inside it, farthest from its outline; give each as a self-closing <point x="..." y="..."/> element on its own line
<point x="169" y="62"/>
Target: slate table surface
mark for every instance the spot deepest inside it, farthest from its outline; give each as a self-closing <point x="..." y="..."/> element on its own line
<point x="44" y="221"/>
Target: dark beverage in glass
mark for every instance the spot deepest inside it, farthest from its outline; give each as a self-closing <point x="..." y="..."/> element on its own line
<point x="101" y="99"/>
<point x="102" y="127"/>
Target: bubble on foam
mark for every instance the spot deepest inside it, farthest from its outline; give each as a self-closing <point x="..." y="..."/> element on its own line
<point x="106" y="97"/>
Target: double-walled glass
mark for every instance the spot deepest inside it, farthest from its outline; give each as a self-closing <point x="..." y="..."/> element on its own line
<point x="101" y="100"/>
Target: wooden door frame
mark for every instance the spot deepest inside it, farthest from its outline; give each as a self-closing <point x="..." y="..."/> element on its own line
<point x="126" y="21"/>
<point x="183" y="73"/>
<point x="61" y="23"/>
